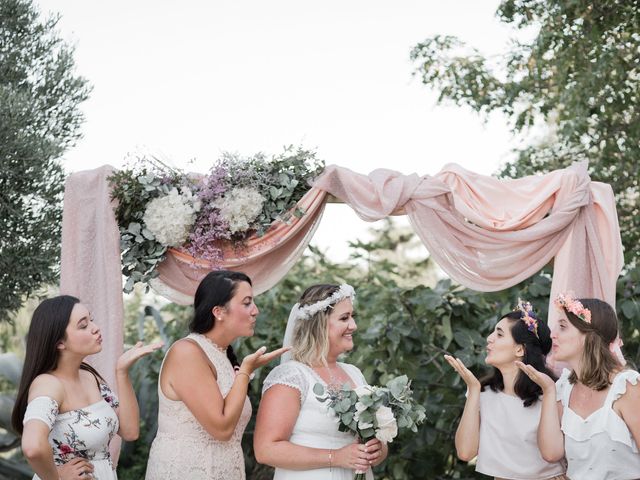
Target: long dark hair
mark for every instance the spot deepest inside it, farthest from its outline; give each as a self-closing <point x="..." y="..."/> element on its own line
<point x="215" y="290"/>
<point x="598" y="363"/>
<point x="536" y="349"/>
<point x="48" y="327"/>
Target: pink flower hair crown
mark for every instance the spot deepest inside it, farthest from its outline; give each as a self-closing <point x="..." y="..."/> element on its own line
<point x="567" y="302"/>
<point x="528" y="316"/>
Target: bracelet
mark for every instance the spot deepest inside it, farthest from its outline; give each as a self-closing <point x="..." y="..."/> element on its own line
<point x="243" y="373"/>
<point x="330" y="459"/>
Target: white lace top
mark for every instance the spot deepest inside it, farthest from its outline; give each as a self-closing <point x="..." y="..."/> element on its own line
<point x="183" y="449"/>
<point x="601" y="446"/>
<point x="315" y="427"/>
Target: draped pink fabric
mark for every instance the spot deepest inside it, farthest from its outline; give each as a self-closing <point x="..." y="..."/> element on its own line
<point x="487" y="234"/>
<point x="490" y="234"/>
<point x="266" y="259"/>
<point x="90" y="263"/>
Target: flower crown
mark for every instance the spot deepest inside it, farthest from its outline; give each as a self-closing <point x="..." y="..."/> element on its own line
<point x="528" y="316"/>
<point x="567" y="302"/>
<point x="308" y="311"/>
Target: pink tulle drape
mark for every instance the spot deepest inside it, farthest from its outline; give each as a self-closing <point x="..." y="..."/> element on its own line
<point x="90" y="264"/>
<point x="487" y="234"/>
<point x="490" y="234"/>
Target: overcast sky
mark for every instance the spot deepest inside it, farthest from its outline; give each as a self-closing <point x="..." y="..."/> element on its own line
<point x="191" y="79"/>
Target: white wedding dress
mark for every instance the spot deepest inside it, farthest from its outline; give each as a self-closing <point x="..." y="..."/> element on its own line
<point x="316" y="427"/>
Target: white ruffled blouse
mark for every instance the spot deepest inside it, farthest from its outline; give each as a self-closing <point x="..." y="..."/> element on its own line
<point x="599" y="447"/>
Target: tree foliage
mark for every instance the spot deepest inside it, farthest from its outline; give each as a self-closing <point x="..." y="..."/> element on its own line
<point x="39" y="120"/>
<point x="578" y="76"/>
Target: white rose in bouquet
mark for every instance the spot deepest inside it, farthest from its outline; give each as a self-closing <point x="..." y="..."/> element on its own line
<point x="171" y="217"/>
<point x="387" y="426"/>
<point x="360" y="407"/>
<point x="363" y="390"/>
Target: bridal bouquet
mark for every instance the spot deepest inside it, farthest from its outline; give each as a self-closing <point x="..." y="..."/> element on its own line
<point x="372" y="411"/>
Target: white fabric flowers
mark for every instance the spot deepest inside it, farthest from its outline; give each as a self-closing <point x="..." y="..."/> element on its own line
<point x="171" y="217"/>
<point x="308" y="311"/>
<point x="387" y="425"/>
<point x="240" y="207"/>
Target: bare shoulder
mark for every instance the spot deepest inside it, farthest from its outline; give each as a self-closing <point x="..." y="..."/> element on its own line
<point x="187" y="353"/>
<point x="47" y="385"/>
<point x="185" y="349"/>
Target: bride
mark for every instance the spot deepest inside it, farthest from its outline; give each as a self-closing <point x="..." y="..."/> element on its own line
<point x="294" y="432"/>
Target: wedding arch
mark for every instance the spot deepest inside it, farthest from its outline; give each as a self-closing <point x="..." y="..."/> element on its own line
<point x="487" y="234"/>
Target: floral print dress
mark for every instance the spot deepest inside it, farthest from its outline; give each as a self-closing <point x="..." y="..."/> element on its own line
<point x="84" y="432"/>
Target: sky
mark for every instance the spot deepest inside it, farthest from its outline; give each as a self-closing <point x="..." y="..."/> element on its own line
<point x="189" y="80"/>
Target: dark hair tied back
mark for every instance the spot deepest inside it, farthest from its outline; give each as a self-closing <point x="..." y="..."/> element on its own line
<point x="536" y="348"/>
<point x="215" y="290"/>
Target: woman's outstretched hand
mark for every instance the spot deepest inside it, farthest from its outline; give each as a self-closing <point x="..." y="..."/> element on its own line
<point x="259" y="358"/>
<point x="545" y="381"/>
<point x="469" y="378"/>
<point x="134" y="354"/>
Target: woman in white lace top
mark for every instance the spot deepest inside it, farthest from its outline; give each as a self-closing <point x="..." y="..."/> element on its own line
<point x="591" y="414"/>
<point x="294" y="431"/>
<point x="66" y="412"/>
<point x="202" y="389"/>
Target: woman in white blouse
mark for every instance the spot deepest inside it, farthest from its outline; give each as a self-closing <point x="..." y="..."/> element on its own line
<point x="294" y="432"/>
<point x="501" y="415"/>
<point x="591" y="415"/>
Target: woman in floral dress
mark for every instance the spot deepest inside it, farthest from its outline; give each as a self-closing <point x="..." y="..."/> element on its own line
<point x="64" y="410"/>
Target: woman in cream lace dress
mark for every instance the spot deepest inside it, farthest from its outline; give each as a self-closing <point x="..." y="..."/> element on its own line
<point x="203" y="403"/>
<point x="294" y="431"/>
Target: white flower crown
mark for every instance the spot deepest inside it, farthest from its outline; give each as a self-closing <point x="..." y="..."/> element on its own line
<point x="308" y="311"/>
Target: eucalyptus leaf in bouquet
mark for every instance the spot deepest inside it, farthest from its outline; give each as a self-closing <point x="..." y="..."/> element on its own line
<point x="373" y="411"/>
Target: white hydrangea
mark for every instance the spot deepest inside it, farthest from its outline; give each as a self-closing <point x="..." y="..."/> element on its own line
<point x="170" y="218"/>
<point x="240" y="207"/>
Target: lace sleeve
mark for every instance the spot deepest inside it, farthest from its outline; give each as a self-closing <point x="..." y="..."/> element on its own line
<point x="290" y="375"/>
<point x="44" y="409"/>
<point x="108" y="395"/>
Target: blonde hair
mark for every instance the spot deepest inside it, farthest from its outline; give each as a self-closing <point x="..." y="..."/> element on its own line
<point x="311" y="335"/>
<point x="598" y="363"/>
